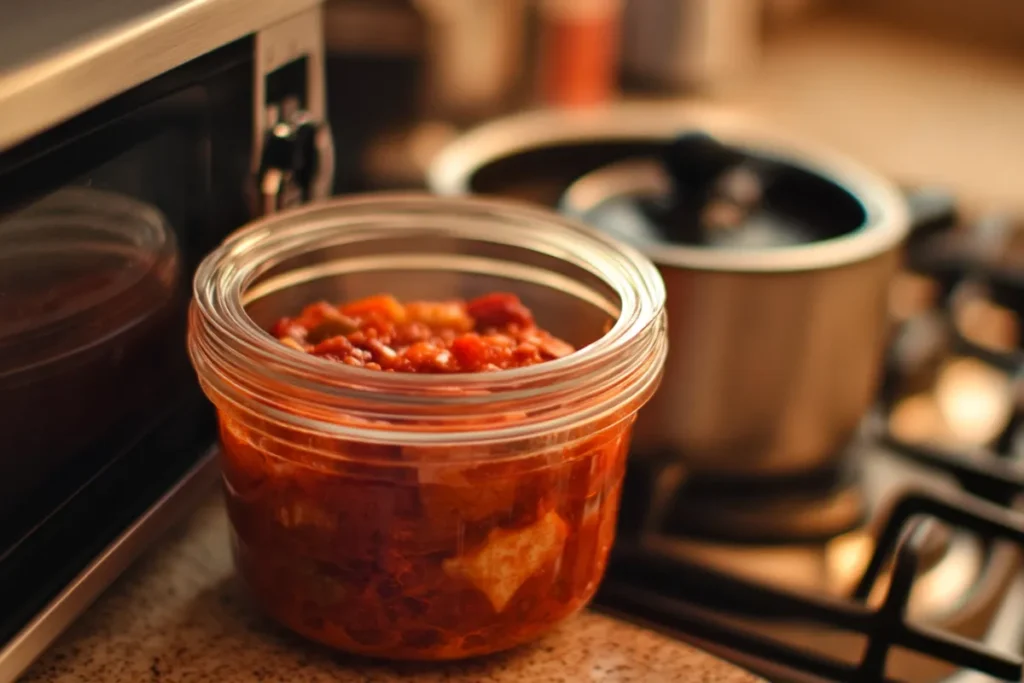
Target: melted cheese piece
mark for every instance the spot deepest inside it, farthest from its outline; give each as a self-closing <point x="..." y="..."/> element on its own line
<point x="508" y="558"/>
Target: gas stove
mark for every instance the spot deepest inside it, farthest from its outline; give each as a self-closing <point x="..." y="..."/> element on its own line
<point x="903" y="561"/>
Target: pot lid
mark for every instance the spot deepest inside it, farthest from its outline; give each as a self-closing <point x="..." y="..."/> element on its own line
<point x="77" y="268"/>
<point x="812" y="184"/>
<point x="702" y="203"/>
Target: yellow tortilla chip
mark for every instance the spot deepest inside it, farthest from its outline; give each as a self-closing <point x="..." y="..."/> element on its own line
<point x="509" y="557"/>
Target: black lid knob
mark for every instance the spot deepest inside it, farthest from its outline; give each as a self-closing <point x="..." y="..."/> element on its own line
<point x="697" y="165"/>
<point x="695" y="161"/>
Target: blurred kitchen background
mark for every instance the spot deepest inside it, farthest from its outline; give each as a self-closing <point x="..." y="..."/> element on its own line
<point x="928" y="91"/>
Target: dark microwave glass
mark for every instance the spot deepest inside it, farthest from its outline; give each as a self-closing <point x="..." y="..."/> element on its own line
<point x="102" y="222"/>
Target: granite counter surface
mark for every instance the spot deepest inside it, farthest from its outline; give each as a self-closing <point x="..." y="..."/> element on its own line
<point x="179" y="616"/>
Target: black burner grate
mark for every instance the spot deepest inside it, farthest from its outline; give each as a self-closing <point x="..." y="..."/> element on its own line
<point x="647" y="584"/>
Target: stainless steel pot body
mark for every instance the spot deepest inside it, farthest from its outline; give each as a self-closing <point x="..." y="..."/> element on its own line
<point x="774" y="355"/>
<point x="768" y="372"/>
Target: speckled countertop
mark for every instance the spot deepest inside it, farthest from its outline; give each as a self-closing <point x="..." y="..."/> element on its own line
<point x="179" y="616"/>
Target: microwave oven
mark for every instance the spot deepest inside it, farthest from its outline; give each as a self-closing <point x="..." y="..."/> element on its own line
<point x="134" y="136"/>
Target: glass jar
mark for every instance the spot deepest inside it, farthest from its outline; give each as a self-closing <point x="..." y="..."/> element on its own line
<point x="425" y="516"/>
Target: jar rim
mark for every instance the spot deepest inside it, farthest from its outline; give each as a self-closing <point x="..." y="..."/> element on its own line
<point x="230" y="350"/>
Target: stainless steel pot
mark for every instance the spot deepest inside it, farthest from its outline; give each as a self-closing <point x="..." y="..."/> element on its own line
<point x="775" y="353"/>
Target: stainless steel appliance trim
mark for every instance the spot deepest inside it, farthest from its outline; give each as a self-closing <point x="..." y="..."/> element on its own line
<point x="70" y="78"/>
<point x="24" y="648"/>
<point x="887" y="224"/>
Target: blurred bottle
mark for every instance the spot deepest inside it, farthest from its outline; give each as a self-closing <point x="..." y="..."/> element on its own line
<point x="578" y="51"/>
<point x="690" y="45"/>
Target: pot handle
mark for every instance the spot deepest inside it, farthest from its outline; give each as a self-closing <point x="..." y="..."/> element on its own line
<point x="933" y="247"/>
<point x="932" y="211"/>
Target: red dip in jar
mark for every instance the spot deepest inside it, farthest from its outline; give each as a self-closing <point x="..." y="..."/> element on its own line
<point x="420" y="478"/>
<point x="492" y="332"/>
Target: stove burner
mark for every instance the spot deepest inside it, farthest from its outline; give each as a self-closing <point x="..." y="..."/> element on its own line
<point x="804" y="549"/>
<point x="685" y="595"/>
<point x="808" y="507"/>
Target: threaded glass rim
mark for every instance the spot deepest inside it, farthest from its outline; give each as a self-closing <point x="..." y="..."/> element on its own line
<point x="241" y="364"/>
